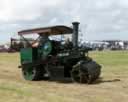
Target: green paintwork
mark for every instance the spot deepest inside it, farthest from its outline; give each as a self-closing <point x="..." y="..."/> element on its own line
<point x="26" y="55"/>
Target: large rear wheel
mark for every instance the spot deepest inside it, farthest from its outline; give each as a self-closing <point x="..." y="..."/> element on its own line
<point x="34" y="72"/>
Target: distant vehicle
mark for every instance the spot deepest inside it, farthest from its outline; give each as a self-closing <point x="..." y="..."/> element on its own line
<point x="17" y="44"/>
<point x="4" y="48"/>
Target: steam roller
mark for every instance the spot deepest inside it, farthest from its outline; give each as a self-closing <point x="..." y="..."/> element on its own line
<point x="47" y="58"/>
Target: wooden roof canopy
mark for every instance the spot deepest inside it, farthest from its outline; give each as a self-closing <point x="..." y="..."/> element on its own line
<point x="53" y="30"/>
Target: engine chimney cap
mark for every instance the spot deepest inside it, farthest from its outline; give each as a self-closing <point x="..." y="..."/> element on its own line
<point x="76" y="22"/>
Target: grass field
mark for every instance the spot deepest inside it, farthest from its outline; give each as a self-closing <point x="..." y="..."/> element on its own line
<point x="112" y="86"/>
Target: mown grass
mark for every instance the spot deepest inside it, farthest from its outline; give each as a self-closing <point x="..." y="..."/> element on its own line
<point x="112" y="87"/>
<point x="114" y="58"/>
<point x="112" y="61"/>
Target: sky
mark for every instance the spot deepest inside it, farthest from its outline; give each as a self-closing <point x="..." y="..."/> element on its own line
<point x="99" y="19"/>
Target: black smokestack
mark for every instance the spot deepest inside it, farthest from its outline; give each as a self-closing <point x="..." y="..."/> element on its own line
<point x="75" y="33"/>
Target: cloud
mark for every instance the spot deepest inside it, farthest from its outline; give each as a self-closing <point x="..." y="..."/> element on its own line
<point x="100" y="19"/>
<point x="20" y="10"/>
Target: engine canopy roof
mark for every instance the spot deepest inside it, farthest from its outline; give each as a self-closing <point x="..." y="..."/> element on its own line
<point x="52" y="30"/>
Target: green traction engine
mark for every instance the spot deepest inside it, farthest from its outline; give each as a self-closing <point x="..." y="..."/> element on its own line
<point x="51" y="59"/>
